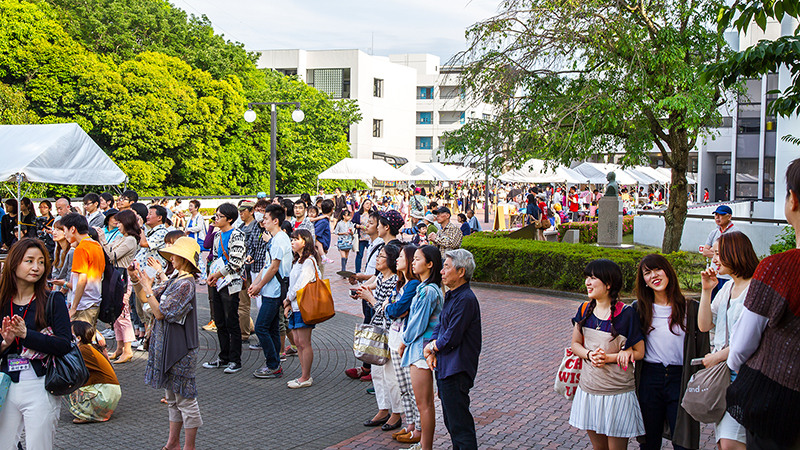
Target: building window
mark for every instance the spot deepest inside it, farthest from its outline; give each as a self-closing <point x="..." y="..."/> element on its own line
<point x="424" y="142"/>
<point x="334" y="82"/>
<point x="377" y="128"/>
<point x="486" y="116"/>
<point x="425" y="117"/>
<point x="377" y="87"/>
<point x="425" y="92"/>
<point x="448" y="92"/>
<point x="287" y="72"/>
<point x="463" y="118"/>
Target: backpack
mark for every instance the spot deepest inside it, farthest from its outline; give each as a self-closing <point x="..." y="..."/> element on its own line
<point x="112" y="298"/>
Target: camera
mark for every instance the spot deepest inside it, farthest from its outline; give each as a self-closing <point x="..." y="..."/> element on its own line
<point x="42" y="223"/>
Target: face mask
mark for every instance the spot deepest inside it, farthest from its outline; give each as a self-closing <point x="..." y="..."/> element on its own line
<point x="259" y="216"/>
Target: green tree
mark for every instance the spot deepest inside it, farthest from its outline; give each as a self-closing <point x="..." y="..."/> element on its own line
<point x="14" y="107"/>
<point x="765" y="56"/>
<point x="572" y="79"/>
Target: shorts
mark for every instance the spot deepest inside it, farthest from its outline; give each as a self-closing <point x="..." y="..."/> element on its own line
<point x="421" y="364"/>
<point x="729" y="428"/>
<point x="296" y="321"/>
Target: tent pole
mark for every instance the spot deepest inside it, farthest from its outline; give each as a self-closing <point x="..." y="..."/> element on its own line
<point x="19" y="198"/>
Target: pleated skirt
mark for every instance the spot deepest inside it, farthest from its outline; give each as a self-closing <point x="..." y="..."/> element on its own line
<point x="611" y="415"/>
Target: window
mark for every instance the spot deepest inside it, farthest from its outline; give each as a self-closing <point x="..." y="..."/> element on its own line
<point x="424" y="142"/>
<point x="288" y="72"/>
<point x="448" y="92"/>
<point x="334" y="82"/>
<point x="486" y="116"/>
<point x="377" y="128"/>
<point x="425" y="92"/>
<point x="462" y="118"/>
<point x="425" y="117"/>
<point x="377" y="87"/>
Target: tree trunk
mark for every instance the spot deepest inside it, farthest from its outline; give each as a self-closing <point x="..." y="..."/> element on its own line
<point x="675" y="215"/>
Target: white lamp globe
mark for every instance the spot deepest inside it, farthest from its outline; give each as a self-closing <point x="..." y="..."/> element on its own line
<point x="250" y="115"/>
<point x="298" y="115"/>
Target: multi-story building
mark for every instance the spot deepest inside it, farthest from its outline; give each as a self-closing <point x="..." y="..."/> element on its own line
<point x="385" y="93"/>
<point x="441" y="105"/>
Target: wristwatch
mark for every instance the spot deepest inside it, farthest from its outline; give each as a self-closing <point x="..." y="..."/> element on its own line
<point x="147" y="296"/>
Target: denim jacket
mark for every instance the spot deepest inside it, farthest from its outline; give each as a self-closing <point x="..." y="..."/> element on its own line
<point x="422" y="319"/>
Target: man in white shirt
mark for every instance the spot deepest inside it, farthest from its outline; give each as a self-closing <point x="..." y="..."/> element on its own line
<point x="272" y="284"/>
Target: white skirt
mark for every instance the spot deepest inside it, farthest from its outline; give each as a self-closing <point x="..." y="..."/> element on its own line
<point x="729" y="428"/>
<point x="610" y="415"/>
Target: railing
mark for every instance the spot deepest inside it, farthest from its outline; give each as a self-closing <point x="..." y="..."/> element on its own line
<point x="706" y="217"/>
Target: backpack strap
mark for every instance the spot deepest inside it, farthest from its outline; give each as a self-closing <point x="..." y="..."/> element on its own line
<point x="583" y="309"/>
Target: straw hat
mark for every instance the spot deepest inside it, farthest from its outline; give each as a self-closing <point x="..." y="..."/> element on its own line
<point x="185" y="247"/>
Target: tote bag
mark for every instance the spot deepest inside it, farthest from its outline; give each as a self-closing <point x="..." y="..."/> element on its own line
<point x="569" y="372"/>
<point x="315" y="300"/>
<point x="64" y="374"/>
<point x="704" y="398"/>
<point x="371" y="344"/>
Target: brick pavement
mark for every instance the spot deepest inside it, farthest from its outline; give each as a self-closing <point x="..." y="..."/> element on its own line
<point x="513" y="400"/>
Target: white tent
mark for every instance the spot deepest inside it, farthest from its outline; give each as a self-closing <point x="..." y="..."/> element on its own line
<point x="59" y="153"/>
<point x="597" y="172"/>
<point x="432" y="171"/>
<point x="660" y="177"/>
<point x="534" y="171"/>
<point x="364" y="169"/>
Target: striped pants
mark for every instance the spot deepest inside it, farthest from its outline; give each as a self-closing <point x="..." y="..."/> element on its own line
<point x="404" y="380"/>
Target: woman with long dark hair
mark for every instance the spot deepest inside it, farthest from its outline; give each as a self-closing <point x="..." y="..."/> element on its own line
<point x="305" y="268"/>
<point x="27" y="217"/>
<point x="422" y="319"/>
<point x="8" y="224"/>
<point x="29" y="336"/>
<point x="672" y="340"/>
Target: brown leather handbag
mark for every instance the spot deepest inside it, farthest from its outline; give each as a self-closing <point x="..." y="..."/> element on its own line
<point x="315" y="300"/>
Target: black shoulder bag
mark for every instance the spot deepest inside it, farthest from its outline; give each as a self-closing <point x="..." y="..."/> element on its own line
<point x="65" y="374"/>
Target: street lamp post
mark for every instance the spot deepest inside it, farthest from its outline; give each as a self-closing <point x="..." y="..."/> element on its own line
<point x="250" y="116"/>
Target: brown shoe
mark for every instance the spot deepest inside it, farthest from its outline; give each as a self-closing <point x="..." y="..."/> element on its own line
<point x="401" y="432"/>
<point x="409" y="438"/>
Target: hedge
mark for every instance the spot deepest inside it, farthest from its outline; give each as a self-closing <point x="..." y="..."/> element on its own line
<point x="555" y="265"/>
<point x="588" y="230"/>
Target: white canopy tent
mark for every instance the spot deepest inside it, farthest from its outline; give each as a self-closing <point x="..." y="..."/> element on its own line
<point x="60" y="153"/>
<point x="364" y="169"/>
<point x="535" y="171"/>
<point x="597" y="173"/>
<point x="432" y="171"/>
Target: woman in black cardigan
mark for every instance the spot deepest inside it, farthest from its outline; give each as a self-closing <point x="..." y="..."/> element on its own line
<point x="27" y="339"/>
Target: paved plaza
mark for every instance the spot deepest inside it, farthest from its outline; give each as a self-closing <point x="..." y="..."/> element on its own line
<point x="524" y="334"/>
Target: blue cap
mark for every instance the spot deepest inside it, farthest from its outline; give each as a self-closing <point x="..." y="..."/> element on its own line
<point x="261" y="195"/>
<point x="723" y="209"/>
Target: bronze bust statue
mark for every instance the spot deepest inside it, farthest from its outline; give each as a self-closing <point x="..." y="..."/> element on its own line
<point x="612" y="189"/>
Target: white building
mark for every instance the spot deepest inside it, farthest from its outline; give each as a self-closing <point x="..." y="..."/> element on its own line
<point x="441" y="105"/>
<point x="385" y="93"/>
<point x="747" y="159"/>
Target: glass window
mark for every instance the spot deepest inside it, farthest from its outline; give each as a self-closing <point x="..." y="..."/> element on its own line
<point x="769" y="179"/>
<point x="463" y="118"/>
<point x="424" y="142"/>
<point x="753" y="91"/>
<point x="425" y="92"/>
<point x="377" y="88"/>
<point x="334" y="82"/>
<point x="425" y="117"/>
<point x="377" y="128"/>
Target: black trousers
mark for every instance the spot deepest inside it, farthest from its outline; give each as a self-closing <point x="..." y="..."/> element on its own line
<point x="368" y="313"/>
<point x="454" y="394"/>
<point x="659" y="391"/>
<point x="226" y="317"/>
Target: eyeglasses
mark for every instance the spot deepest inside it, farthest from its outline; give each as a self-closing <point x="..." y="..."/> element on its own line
<point x="381" y="256"/>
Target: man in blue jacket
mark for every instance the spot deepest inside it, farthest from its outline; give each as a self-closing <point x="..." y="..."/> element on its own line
<point x="455" y="348"/>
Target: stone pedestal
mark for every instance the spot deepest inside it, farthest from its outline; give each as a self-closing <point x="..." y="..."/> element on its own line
<point x="609" y="226"/>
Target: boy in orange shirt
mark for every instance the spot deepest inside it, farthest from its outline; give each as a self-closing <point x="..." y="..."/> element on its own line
<point x="88" y="264"/>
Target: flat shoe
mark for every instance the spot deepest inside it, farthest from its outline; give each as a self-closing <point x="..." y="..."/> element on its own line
<point x="398" y="433"/>
<point x="296" y="383"/>
<point x="123" y="361"/>
<point x="375" y="423"/>
<point x="392" y="426"/>
<point x="409" y="439"/>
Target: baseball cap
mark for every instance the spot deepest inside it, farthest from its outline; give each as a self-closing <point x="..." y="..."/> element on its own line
<point x="249" y="204"/>
<point x="723" y="209"/>
<point x="261" y="195"/>
<point x="443" y="209"/>
<point x="395" y="218"/>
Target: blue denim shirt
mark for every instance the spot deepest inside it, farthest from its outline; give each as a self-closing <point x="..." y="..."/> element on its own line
<point x="401" y="305"/>
<point x="458" y="334"/>
<point x="422" y="318"/>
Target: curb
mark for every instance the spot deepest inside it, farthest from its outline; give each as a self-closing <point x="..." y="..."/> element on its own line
<point x="510" y="287"/>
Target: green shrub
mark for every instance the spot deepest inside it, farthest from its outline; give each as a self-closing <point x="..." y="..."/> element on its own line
<point x="554" y="265"/>
<point x="785" y="241"/>
<point x="588" y="230"/>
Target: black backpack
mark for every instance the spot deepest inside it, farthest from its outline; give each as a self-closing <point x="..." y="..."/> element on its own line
<point x="112" y="298"/>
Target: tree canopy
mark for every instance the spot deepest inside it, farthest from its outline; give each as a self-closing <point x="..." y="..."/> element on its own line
<point x="573" y="79"/>
<point x="163" y="95"/>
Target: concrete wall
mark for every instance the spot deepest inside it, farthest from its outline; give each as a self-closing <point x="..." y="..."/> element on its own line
<point x="649" y="230"/>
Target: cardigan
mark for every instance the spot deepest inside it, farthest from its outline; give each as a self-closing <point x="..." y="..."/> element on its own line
<point x="764" y="395"/>
<point x="696" y="344"/>
<point x="58" y="345"/>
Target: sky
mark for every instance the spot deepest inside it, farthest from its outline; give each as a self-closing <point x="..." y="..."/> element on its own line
<point x="406" y="26"/>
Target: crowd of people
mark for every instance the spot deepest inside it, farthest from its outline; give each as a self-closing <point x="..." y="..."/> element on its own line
<point x="412" y="280"/>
